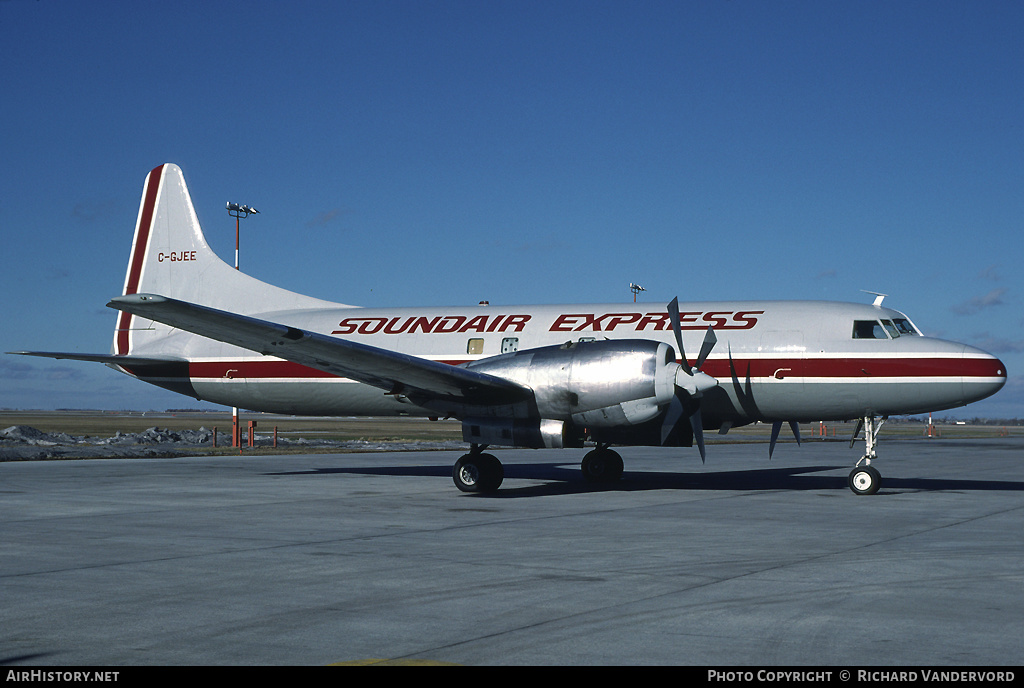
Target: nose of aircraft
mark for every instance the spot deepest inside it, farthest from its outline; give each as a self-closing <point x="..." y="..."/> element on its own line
<point x="983" y="374"/>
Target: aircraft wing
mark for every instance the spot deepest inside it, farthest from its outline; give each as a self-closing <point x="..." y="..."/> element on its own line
<point x="394" y="372"/>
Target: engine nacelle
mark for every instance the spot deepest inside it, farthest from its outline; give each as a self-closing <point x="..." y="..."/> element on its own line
<point x="539" y="433"/>
<point x="599" y="384"/>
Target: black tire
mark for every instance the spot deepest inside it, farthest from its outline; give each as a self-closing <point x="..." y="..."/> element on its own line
<point x="478" y="473"/>
<point x="865" y="480"/>
<point x="602" y="466"/>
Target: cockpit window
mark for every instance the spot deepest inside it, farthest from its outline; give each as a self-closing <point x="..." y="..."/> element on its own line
<point x="884" y="329"/>
<point x="868" y="329"/>
<point x="891" y="329"/>
<point x="904" y="327"/>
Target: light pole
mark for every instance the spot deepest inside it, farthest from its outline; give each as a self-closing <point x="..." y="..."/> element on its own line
<point x="636" y="289"/>
<point x="237" y="211"/>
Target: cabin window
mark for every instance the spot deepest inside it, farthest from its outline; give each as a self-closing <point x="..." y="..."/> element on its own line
<point x="509" y="344"/>
<point x="475" y="346"/>
<point x="868" y="329"/>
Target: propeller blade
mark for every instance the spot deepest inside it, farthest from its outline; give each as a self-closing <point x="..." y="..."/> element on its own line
<point x="672" y="416"/>
<point x="698" y="432"/>
<point x="710" y="339"/>
<point x="776" y="428"/>
<point x="677" y="330"/>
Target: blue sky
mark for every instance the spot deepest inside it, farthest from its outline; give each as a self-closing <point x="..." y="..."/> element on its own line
<point x="436" y="153"/>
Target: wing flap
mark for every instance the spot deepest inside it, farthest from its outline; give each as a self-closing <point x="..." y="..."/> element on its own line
<point x="391" y="371"/>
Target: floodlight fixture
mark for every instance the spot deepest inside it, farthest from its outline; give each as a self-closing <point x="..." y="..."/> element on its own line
<point x="235" y="210"/>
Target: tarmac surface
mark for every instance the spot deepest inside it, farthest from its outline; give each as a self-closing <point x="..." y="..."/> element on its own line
<point x="354" y="558"/>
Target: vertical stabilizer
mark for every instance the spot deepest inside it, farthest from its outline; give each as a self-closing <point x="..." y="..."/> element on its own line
<point x="170" y="257"/>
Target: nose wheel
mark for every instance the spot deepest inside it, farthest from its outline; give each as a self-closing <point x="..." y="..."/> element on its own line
<point x="865" y="480"/>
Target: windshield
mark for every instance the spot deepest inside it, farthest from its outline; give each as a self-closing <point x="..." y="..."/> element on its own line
<point x="891" y="329"/>
<point x="884" y="329"/>
<point x="868" y="329"/>
<point x="905" y="327"/>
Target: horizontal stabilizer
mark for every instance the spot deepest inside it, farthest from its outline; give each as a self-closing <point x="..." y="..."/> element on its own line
<point x="112" y="359"/>
<point x="394" y="372"/>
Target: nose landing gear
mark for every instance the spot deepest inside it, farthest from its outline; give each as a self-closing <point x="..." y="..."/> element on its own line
<point x="865" y="479"/>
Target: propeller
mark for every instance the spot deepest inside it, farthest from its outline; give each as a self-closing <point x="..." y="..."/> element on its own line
<point x="776" y="428"/>
<point x="689" y="380"/>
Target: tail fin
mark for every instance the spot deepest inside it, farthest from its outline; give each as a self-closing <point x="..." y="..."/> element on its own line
<point x="170" y="257"/>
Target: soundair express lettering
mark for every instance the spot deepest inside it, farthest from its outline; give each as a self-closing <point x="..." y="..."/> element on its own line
<point x="440" y="324"/>
<point x="639" y="322"/>
<point x="568" y="322"/>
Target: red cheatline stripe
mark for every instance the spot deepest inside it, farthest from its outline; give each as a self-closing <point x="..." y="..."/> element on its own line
<point x="139" y="254"/>
<point x="253" y="369"/>
<point x="862" y="368"/>
<point x="858" y="367"/>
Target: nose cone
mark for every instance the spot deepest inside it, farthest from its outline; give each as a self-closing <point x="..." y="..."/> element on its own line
<point x="983" y="374"/>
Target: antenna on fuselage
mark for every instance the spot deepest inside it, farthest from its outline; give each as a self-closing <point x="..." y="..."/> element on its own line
<point x="878" y="297"/>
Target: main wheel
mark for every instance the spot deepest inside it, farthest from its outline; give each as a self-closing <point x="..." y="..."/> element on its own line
<point x="865" y="480"/>
<point x="478" y="473"/>
<point x="602" y="466"/>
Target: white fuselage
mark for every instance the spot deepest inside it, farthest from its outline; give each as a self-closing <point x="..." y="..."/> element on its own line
<point x="774" y="360"/>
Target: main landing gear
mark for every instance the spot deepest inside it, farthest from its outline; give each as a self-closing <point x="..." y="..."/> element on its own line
<point x="480" y="472"/>
<point x="477" y="471"/>
<point x="602" y="465"/>
<point x="865" y="479"/>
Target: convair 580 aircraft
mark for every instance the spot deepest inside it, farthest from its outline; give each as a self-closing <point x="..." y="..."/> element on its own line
<point x="521" y="376"/>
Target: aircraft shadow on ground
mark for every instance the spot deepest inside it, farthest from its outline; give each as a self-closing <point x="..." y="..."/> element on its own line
<point x="562" y="478"/>
<point x="27" y="659"/>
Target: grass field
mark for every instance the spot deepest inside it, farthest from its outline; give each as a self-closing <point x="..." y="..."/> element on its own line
<point x="107" y="424"/>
